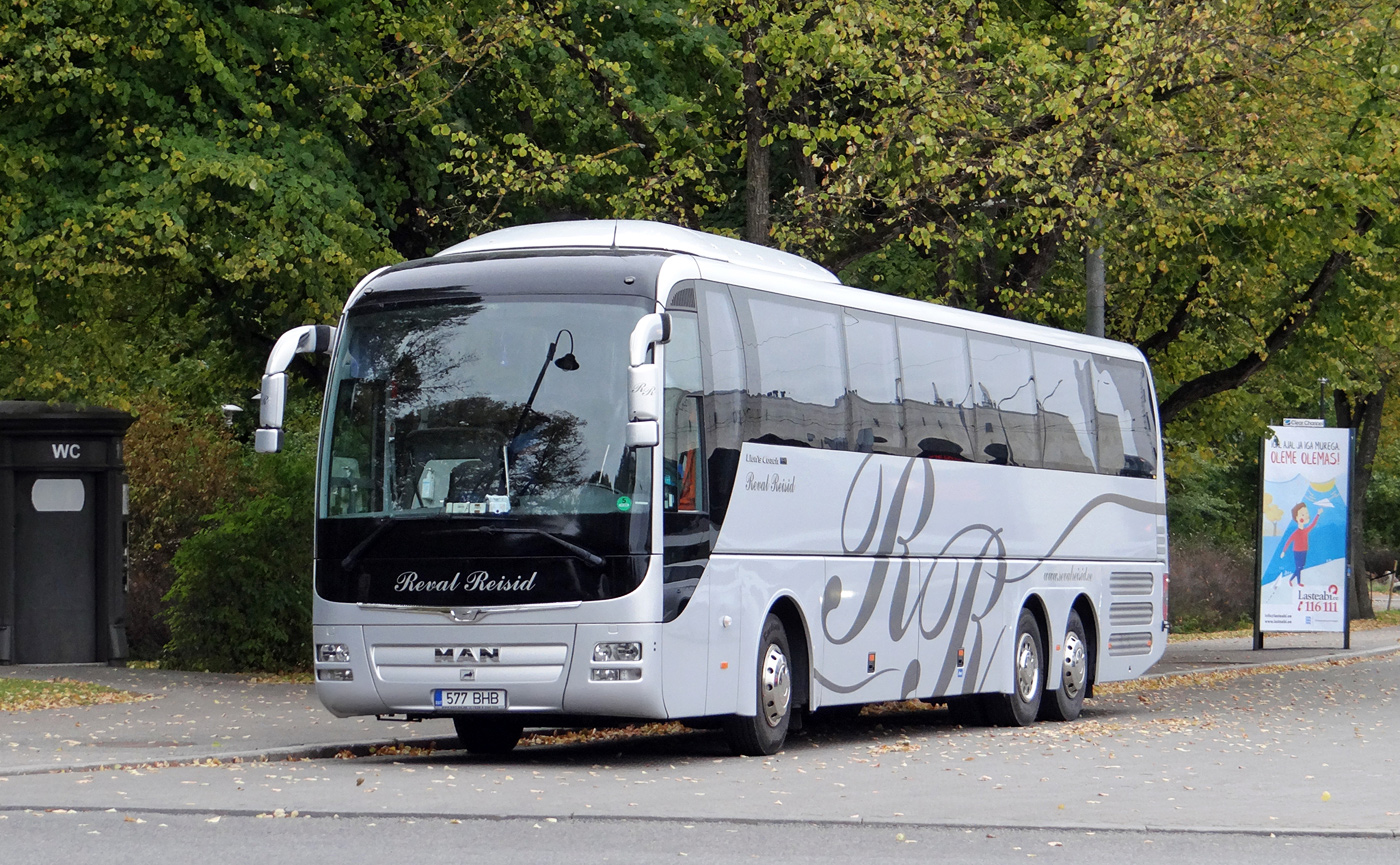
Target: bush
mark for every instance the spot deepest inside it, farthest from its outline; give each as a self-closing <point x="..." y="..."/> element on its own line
<point x="1212" y="586"/>
<point x="241" y="599"/>
<point x="179" y="467"/>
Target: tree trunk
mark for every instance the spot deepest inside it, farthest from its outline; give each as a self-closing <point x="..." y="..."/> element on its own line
<point x="757" y="216"/>
<point x="1365" y="417"/>
<point x="1298" y="312"/>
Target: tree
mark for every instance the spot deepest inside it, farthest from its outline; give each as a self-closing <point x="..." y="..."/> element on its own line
<point x="186" y="178"/>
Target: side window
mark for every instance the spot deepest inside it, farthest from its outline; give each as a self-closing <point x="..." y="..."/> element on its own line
<point x="722" y="412"/>
<point x="1064" y="383"/>
<point x="723" y="350"/>
<point x="682" y="486"/>
<point x="1004" y="393"/>
<point x="872" y="372"/>
<point x="796" y="372"/>
<point x="355" y="475"/>
<point x="936" y="391"/>
<point x="1127" y="421"/>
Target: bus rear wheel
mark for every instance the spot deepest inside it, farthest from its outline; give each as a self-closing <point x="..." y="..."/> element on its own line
<point x="1020" y="707"/>
<point x="490" y="735"/>
<point x="764" y="733"/>
<point x="1065" y="702"/>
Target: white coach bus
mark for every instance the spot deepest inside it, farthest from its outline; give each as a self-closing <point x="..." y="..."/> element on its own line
<point x="623" y="470"/>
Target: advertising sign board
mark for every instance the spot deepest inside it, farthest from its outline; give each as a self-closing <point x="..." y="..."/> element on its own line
<point x="1304" y="530"/>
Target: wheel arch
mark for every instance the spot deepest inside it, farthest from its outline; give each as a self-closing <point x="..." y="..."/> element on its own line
<point x="1036" y="604"/>
<point x="1088" y="616"/>
<point x="799" y="643"/>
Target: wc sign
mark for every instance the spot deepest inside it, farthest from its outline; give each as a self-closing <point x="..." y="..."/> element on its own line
<point x="67" y="451"/>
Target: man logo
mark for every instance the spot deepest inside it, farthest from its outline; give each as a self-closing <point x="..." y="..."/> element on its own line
<point x="466" y="655"/>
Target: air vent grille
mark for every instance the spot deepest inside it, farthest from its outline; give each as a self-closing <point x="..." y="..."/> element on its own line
<point x="1128" y="613"/>
<point x="1131" y="643"/>
<point x="683" y="298"/>
<point x="1131" y="583"/>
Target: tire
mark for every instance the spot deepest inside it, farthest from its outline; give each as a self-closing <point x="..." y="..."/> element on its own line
<point x="1064" y="703"/>
<point x="490" y="735"/>
<point x="1020" y="708"/>
<point x="764" y="733"/>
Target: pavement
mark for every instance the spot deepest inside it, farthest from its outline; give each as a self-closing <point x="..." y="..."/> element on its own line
<point x="190" y="717"/>
<point x="198" y="717"/>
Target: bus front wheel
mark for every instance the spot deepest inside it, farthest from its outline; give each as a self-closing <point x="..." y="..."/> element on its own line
<point x="487" y="734"/>
<point x="763" y="734"/>
<point x="1020" y="707"/>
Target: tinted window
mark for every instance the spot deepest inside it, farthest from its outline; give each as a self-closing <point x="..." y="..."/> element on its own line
<point x="1127" y="426"/>
<point x="1064" y="382"/>
<point x="1004" y="394"/>
<point x="682" y="488"/>
<point x="796" y="372"/>
<point x="937" y="391"/>
<point x="719" y="335"/>
<point x="723" y="405"/>
<point x="483" y="406"/>
<point x="872" y="370"/>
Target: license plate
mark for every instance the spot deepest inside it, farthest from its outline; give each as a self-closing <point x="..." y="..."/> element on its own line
<point x="469" y="699"/>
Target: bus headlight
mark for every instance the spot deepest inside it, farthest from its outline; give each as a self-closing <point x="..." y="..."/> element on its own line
<point x="617" y="674"/>
<point x="617" y="652"/>
<point x="333" y="653"/>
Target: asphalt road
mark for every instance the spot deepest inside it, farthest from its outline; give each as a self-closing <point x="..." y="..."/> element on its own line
<point x="1308" y="756"/>
<point x="118" y="839"/>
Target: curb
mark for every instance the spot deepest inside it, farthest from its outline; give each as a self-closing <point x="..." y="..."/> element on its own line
<point x="1284" y="662"/>
<point x="1137" y="829"/>
<point x="289" y="752"/>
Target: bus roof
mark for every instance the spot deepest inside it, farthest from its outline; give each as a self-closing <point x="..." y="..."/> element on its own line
<point x="636" y="234"/>
<point x="923" y="310"/>
<point x="725" y="259"/>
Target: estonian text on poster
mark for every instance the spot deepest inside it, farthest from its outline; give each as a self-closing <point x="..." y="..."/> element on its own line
<point x="1303" y="545"/>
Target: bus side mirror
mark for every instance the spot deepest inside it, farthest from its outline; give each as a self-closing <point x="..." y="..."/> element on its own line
<point x="299" y="340"/>
<point x="644" y="380"/>
<point x="643" y="434"/>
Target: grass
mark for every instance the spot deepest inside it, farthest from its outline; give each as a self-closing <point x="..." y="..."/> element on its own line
<point x="24" y="695"/>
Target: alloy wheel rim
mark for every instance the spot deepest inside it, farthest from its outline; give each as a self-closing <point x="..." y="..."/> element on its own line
<point x="1027" y="668"/>
<point x="1076" y="670"/>
<point x="775" y="685"/>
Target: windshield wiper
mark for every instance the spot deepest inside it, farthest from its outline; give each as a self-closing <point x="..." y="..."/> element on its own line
<point x="382" y="527"/>
<point x="592" y="558"/>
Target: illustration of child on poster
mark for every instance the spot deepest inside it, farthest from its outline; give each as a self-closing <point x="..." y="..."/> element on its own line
<point x="1306" y="471"/>
<point x="1298" y="540"/>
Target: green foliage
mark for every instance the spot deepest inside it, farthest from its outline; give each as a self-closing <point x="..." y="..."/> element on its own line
<point x="1383" y="512"/>
<point x="182" y="180"/>
<point x="180" y="176"/>
<point x="1212" y="493"/>
<point x="241" y="599"/>
<point x="181" y="466"/>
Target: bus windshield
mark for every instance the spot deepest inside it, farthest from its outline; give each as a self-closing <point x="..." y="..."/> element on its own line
<point x="483" y="406"/>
